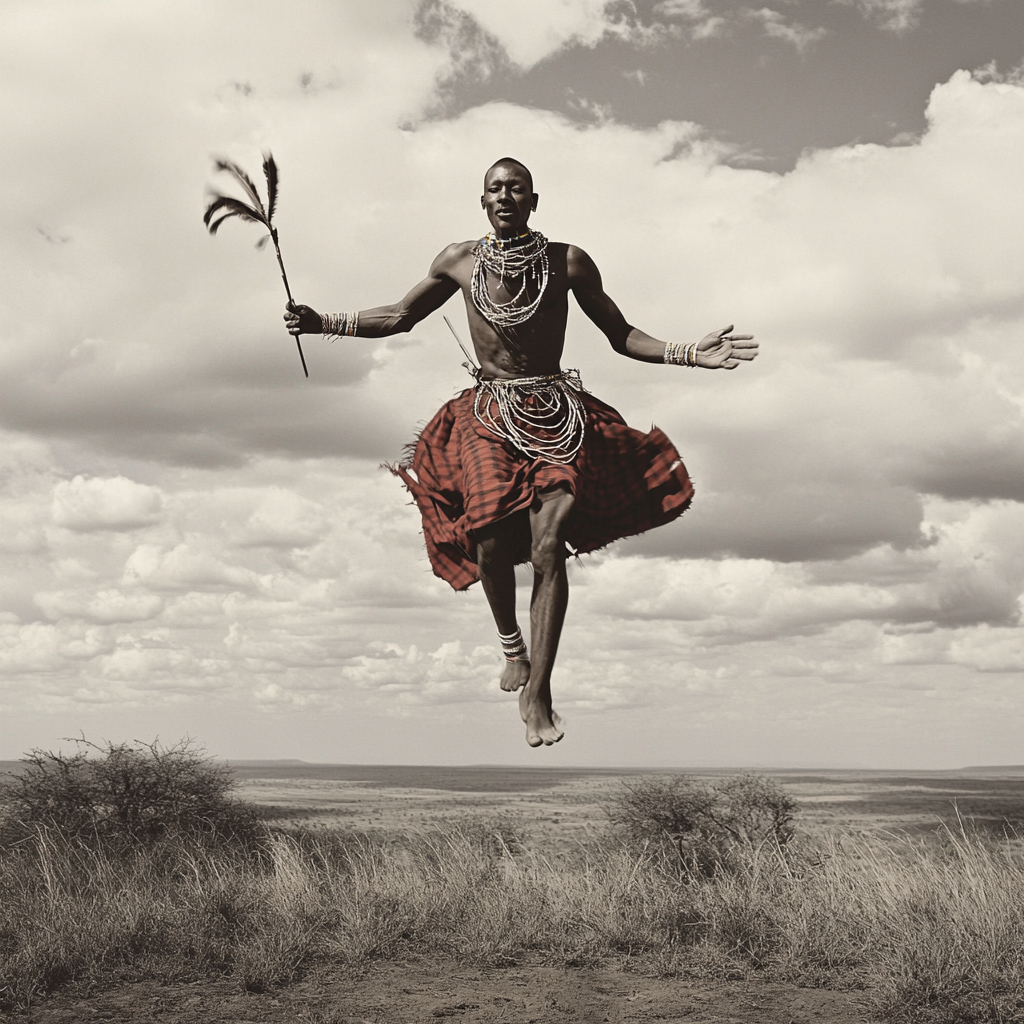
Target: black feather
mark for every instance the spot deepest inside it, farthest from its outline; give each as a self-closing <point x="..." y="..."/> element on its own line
<point x="217" y="223"/>
<point x="243" y="179"/>
<point x="270" y="170"/>
<point x="235" y="208"/>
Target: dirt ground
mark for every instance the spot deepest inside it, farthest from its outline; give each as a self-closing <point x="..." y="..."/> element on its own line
<point x="420" y="991"/>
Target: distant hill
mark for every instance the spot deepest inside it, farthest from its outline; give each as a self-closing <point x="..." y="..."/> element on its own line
<point x="996" y="769"/>
<point x="281" y="762"/>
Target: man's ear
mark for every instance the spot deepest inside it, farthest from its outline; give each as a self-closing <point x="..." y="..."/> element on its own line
<point x="483" y="205"/>
<point x="533" y="205"/>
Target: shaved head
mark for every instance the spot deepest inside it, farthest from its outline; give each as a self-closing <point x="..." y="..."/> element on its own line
<point x="508" y="197"/>
<point x="510" y="161"/>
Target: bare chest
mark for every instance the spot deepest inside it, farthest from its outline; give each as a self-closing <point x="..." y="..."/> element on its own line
<point x="509" y="292"/>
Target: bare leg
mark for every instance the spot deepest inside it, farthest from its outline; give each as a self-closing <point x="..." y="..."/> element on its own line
<point x="495" y="560"/>
<point x="548" y="520"/>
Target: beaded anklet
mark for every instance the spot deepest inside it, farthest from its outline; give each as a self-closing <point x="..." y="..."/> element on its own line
<point x="513" y="646"/>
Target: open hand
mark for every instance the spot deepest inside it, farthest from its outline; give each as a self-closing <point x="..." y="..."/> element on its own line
<point x="723" y="350"/>
<point x="302" y="320"/>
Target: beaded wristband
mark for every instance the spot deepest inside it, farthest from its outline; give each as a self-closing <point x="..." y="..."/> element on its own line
<point x="339" y="325"/>
<point x="680" y="355"/>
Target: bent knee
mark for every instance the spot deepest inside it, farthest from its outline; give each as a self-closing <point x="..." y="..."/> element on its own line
<point x="548" y="553"/>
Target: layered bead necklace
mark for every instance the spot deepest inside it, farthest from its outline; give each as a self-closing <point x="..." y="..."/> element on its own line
<point x="513" y="258"/>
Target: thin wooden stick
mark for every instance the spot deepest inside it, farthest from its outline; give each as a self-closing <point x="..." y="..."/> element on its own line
<point x="288" y="292"/>
<point x="471" y="366"/>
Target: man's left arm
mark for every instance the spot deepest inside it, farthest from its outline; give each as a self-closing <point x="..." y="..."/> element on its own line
<point x="717" y="350"/>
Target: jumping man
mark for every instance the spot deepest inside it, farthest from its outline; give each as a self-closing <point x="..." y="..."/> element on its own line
<point x="527" y="461"/>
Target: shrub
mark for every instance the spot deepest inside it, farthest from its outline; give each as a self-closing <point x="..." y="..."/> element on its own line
<point x="124" y="793"/>
<point x="702" y="826"/>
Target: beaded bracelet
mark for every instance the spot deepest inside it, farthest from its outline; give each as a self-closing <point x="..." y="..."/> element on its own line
<point x="681" y="355"/>
<point x="339" y="325"/>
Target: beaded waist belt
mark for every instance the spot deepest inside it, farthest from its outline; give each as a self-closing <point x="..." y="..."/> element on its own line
<point x="543" y="417"/>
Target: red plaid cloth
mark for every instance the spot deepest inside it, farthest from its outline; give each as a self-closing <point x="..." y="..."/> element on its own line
<point x="624" y="481"/>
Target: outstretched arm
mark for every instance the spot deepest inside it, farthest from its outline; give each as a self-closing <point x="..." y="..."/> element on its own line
<point x="717" y="350"/>
<point x="430" y="294"/>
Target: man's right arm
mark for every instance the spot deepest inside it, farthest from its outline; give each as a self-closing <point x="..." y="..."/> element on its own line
<point x="381" y="321"/>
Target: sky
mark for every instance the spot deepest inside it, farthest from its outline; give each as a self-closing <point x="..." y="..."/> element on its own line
<point x="197" y="541"/>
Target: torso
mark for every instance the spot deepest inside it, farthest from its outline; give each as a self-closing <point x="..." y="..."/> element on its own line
<point x="532" y="348"/>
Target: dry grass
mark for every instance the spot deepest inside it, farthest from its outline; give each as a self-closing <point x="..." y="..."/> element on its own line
<point x="932" y="926"/>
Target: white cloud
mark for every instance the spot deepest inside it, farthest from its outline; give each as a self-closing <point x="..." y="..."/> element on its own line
<point x="283" y="519"/>
<point x="703" y="23"/>
<point x="105" y="504"/>
<point x="892" y="15"/>
<point x="184" y="567"/>
<point x="776" y="27"/>
<point x="30" y="648"/>
<point x="106" y="606"/>
<point x="539" y="28"/>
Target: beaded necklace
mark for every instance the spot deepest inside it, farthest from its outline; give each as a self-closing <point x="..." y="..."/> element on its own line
<point x="513" y="258"/>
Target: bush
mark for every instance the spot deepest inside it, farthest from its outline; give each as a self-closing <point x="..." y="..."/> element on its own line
<point x="124" y="793"/>
<point x="703" y="826"/>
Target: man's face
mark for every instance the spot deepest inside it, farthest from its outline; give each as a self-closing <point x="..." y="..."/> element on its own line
<point x="508" y="199"/>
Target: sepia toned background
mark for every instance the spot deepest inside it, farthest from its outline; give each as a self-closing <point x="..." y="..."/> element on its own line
<point x="196" y="540"/>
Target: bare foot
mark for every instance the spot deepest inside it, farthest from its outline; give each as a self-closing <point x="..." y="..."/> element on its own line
<point x="516" y="674"/>
<point x="542" y="723"/>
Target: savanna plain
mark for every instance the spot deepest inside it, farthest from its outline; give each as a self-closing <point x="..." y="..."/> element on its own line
<point x="333" y="894"/>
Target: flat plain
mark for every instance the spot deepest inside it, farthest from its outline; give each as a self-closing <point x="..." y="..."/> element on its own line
<point x="554" y="810"/>
<point x="555" y="805"/>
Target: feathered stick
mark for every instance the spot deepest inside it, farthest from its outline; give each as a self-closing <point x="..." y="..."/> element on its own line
<point x="255" y="213"/>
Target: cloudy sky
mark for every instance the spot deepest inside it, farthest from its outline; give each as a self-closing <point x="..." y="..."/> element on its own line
<point x="195" y="540"/>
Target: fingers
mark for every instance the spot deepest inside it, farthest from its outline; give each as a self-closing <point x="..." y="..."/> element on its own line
<point x="733" y="357"/>
<point x="725" y="337"/>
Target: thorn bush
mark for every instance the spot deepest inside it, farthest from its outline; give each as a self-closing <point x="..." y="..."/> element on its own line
<point x="701" y="826"/>
<point x="130" y="793"/>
